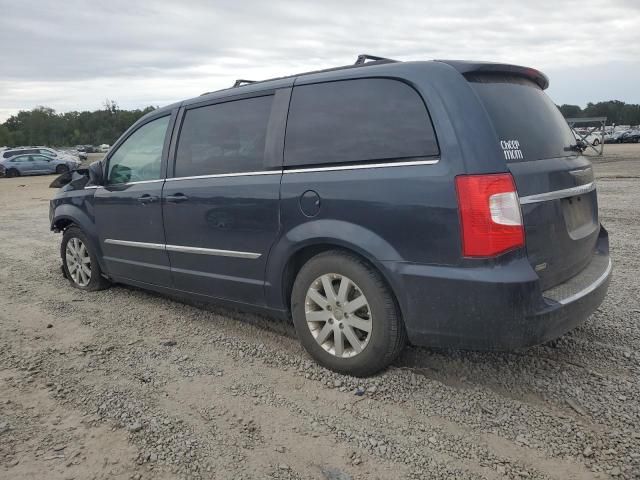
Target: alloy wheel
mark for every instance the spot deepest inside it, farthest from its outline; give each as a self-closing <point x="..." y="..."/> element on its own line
<point x="338" y="315"/>
<point x="78" y="262"/>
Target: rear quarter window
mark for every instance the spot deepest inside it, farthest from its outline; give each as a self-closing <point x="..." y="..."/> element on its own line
<point x="358" y="120"/>
<point x="528" y="124"/>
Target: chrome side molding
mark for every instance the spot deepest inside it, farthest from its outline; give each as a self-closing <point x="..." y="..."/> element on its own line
<point x="212" y="251"/>
<point x="184" y="249"/>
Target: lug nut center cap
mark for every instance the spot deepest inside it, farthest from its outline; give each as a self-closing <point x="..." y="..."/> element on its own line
<point x="338" y="313"/>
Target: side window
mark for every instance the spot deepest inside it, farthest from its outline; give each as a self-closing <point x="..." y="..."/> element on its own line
<point x="357" y="120"/>
<point x="140" y="156"/>
<point x="224" y="138"/>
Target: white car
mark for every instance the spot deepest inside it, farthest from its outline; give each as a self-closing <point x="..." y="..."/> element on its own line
<point x="103" y="148"/>
<point x="593" y="138"/>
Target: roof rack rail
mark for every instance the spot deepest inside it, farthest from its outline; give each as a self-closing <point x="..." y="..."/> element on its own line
<point x="363" y="57"/>
<point x="242" y="81"/>
<point x="361" y="61"/>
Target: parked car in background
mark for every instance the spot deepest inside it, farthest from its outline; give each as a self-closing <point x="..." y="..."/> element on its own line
<point x="81" y="154"/>
<point x="630" y="136"/>
<point x="384" y="217"/>
<point x="35" y="164"/>
<point x="616" y="137"/>
<point x="103" y="148"/>
<point x="86" y="148"/>
<point x="49" y="152"/>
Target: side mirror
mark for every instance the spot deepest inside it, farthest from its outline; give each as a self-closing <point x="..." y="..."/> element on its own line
<point x="96" y="174"/>
<point x="62" y="180"/>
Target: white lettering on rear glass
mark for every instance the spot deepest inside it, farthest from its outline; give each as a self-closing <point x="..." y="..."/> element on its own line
<point x="511" y="149"/>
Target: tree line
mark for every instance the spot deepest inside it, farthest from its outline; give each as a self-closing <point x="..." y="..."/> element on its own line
<point x="617" y="112"/>
<point x="43" y="126"/>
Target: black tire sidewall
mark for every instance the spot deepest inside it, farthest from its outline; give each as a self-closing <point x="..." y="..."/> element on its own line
<point x="96" y="273"/>
<point x="12" y="173"/>
<point x="62" y="169"/>
<point x="383" y="312"/>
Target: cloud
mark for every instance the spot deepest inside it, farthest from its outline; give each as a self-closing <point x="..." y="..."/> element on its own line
<point x="74" y="54"/>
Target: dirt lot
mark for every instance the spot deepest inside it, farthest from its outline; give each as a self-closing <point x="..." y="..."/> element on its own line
<point x="127" y="384"/>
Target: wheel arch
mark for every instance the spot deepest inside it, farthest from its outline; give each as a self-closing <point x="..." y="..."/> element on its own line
<point x="67" y="215"/>
<point x="294" y="250"/>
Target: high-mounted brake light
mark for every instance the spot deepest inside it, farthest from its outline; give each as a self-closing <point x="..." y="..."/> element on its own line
<point x="490" y="217"/>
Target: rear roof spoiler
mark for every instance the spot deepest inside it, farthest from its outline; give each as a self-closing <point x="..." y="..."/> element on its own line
<point x="499" y="68"/>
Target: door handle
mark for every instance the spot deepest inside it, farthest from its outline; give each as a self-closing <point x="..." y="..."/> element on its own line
<point x="177" y="198"/>
<point x="146" y="198"/>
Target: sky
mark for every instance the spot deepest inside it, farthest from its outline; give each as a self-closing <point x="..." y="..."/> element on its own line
<point x="73" y="55"/>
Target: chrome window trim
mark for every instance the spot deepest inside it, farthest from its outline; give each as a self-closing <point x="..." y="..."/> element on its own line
<point x="126" y="183"/>
<point x="294" y="170"/>
<point x="556" y="194"/>
<point x="588" y="289"/>
<point x="184" y="249"/>
<point x="224" y="175"/>
<point x="362" y="166"/>
<point x="137" y="182"/>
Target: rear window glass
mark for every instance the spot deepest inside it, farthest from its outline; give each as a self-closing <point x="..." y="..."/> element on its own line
<point x="528" y="123"/>
<point x="357" y="120"/>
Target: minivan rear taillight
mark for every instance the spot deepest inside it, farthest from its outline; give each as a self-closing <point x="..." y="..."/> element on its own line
<point x="490" y="217"/>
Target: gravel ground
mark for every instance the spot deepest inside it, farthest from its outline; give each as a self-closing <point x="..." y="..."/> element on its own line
<point x="128" y="384"/>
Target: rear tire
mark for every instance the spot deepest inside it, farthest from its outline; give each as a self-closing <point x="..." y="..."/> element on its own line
<point x="62" y="169"/>
<point x="596" y="142"/>
<point x="79" y="262"/>
<point x="357" y="330"/>
<point x="12" y="172"/>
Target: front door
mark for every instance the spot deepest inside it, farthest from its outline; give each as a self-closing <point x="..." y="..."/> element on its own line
<point x="221" y="206"/>
<point x="42" y="164"/>
<point x="128" y="210"/>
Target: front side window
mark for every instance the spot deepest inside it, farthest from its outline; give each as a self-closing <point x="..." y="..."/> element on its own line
<point x="139" y="158"/>
<point x="224" y="138"/>
<point x="357" y="120"/>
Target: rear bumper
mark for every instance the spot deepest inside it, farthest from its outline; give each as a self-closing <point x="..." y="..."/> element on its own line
<point x="496" y="307"/>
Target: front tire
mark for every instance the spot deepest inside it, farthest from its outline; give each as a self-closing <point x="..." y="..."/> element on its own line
<point x="345" y="315"/>
<point x="12" y="172"/>
<point x="62" y="169"/>
<point x="79" y="262"/>
<point x="596" y="142"/>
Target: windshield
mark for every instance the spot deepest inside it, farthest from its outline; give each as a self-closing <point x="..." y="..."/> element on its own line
<point x="528" y="124"/>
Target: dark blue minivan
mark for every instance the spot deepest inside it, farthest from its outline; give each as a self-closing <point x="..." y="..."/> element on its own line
<point x="443" y="203"/>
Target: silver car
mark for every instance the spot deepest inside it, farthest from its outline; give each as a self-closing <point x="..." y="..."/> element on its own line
<point x="35" y="164"/>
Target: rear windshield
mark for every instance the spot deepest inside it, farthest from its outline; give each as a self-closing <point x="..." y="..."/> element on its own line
<point x="528" y="123"/>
